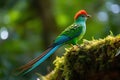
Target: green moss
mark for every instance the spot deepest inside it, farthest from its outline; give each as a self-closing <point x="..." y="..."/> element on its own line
<point x="91" y="60"/>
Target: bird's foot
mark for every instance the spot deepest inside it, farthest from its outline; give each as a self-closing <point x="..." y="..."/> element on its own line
<point x="78" y="45"/>
<point x="74" y="47"/>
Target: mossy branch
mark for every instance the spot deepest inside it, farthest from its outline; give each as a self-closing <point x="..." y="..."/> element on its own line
<point x="92" y="60"/>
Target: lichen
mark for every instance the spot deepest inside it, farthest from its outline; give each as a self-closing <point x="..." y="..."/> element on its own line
<point x="91" y="60"/>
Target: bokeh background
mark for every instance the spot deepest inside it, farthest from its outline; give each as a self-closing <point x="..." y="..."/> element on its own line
<point x="27" y="27"/>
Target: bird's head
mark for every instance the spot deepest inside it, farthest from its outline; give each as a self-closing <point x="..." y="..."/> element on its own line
<point x="81" y="15"/>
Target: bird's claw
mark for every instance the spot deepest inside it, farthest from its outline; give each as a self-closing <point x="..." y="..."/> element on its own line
<point x="75" y="46"/>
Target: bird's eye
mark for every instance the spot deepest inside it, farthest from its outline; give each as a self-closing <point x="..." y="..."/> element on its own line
<point x="82" y="16"/>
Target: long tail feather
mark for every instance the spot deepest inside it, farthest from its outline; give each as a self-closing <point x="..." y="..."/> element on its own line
<point x="37" y="61"/>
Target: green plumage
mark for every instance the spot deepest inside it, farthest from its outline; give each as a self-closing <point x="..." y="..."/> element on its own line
<point x="75" y="32"/>
<point x="70" y="35"/>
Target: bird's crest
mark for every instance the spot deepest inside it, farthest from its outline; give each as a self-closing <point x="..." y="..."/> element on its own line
<point x="81" y="12"/>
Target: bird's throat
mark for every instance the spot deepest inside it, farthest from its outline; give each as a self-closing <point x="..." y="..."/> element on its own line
<point x="81" y="22"/>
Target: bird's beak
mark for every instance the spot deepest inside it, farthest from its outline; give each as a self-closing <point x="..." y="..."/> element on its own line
<point x="88" y="16"/>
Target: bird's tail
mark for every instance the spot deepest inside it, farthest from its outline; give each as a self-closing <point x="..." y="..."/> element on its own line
<point x="37" y="61"/>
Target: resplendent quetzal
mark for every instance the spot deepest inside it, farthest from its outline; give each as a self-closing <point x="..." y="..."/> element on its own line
<point x="70" y="35"/>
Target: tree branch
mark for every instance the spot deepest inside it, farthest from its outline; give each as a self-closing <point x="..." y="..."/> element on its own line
<point x="92" y="60"/>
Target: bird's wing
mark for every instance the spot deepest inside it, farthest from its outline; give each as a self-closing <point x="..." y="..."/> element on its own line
<point x="61" y="39"/>
<point x="68" y="34"/>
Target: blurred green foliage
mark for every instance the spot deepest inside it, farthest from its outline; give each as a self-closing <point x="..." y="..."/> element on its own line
<point x="27" y="27"/>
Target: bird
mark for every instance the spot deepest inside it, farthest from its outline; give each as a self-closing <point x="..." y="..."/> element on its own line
<point x="71" y="35"/>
